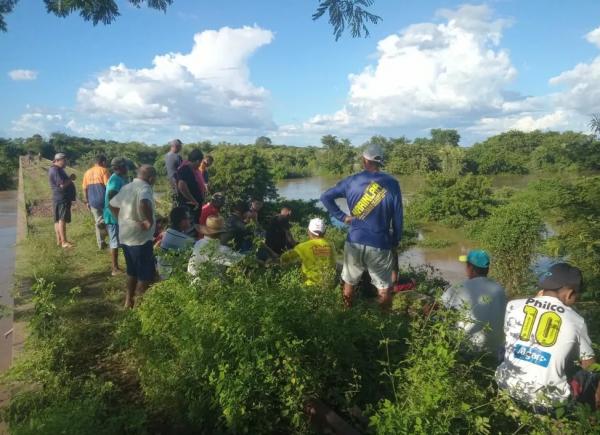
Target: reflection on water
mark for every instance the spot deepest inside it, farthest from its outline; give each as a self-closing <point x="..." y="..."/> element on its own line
<point x="445" y="259"/>
<point x="8" y="234"/>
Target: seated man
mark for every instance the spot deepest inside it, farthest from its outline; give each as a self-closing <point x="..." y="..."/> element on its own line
<point x="279" y="237"/>
<point x="317" y="255"/>
<point x="210" y="249"/>
<point x="174" y="239"/>
<point x="236" y="230"/>
<point x="484" y="302"/>
<point x="541" y="334"/>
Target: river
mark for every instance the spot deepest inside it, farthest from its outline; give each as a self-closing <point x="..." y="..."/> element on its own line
<point x="8" y="235"/>
<point x="445" y="260"/>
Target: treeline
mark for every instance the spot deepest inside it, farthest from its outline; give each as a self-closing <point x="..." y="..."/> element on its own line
<point x="513" y="152"/>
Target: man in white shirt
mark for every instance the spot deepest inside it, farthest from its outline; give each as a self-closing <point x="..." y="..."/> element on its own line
<point x="483" y="302"/>
<point x="541" y="334"/>
<point x="134" y="208"/>
<point x="209" y="249"/>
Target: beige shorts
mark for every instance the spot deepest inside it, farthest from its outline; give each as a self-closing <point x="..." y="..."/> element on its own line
<point x="378" y="262"/>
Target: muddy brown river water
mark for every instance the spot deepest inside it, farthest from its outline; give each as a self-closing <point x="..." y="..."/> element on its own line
<point x="8" y="234"/>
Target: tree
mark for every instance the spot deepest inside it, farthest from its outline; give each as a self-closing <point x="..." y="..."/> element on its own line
<point x="242" y="173"/>
<point x="440" y="136"/>
<point x="595" y="123"/>
<point x="338" y="156"/>
<point x="342" y="13"/>
<point x="263" y="141"/>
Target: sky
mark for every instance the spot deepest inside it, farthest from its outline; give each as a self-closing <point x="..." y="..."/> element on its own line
<point x="234" y="70"/>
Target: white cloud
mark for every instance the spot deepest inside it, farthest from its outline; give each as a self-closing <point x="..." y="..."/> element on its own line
<point x="428" y="73"/>
<point x="209" y="86"/>
<point x="38" y="121"/>
<point x="23" y="74"/>
<point x="594" y="37"/>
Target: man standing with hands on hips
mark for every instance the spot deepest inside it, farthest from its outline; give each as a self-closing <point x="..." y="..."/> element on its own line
<point x="375" y="219"/>
<point x="133" y="207"/>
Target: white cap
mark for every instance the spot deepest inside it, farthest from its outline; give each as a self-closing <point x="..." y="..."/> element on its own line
<point x="374" y="153"/>
<point x="317" y="226"/>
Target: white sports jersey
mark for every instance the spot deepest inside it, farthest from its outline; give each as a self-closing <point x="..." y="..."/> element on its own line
<point x="541" y="333"/>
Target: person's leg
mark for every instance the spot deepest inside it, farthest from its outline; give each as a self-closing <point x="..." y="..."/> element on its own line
<point x="146" y="268"/>
<point x="62" y="232"/>
<point x="130" y="295"/>
<point x="380" y="264"/>
<point x="113" y="243"/>
<point x="129" y="253"/>
<point x="57" y="234"/>
<point x="98" y="224"/>
<point x="585" y="388"/>
<point x="352" y="270"/>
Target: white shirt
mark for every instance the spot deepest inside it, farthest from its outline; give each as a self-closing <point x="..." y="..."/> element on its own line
<point x="128" y="200"/>
<point x="210" y="250"/>
<point x="484" y="302"/>
<point x="541" y="333"/>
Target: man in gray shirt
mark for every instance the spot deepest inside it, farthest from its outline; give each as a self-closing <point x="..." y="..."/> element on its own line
<point x="483" y="301"/>
<point x="172" y="161"/>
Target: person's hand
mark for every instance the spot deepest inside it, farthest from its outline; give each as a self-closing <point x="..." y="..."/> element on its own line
<point x="145" y="225"/>
<point x="87" y="204"/>
<point x="348" y="220"/>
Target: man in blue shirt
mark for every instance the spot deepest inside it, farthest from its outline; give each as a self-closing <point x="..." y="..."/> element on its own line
<point x="375" y="219"/>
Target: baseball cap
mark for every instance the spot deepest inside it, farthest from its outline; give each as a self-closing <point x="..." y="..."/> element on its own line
<point x="218" y="198"/>
<point x="175" y="142"/>
<point x="476" y="257"/>
<point x="317" y="226"/>
<point x="561" y="275"/>
<point x="118" y="162"/>
<point x="59" y="156"/>
<point x="374" y="153"/>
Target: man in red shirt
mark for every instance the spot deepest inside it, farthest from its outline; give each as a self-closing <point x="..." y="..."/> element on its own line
<point x="212" y="208"/>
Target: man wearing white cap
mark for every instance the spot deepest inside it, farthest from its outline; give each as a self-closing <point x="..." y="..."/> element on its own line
<point x="317" y="255"/>
<point x="375" y="219"/>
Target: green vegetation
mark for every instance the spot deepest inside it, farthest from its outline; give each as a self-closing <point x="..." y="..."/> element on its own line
<point x="243" y="351"/>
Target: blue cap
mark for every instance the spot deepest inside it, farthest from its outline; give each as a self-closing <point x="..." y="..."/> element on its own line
<point x="476" y="257"/>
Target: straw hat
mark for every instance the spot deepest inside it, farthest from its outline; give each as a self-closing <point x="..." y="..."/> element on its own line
<point x="214" y="225"/>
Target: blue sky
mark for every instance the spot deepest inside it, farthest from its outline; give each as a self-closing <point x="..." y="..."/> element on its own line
<point x="264" y="67"/>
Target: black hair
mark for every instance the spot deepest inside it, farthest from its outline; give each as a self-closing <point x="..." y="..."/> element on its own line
<point x="240" y="206"/>
<point x="480" y="271"/>
<point x="195" y="155"/>
<point x="101" y="159"/>
<point x="177" y="215"/>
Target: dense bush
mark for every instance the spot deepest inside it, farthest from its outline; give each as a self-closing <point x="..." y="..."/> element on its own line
<point x="512" y="234"/>
<point x="454" y="200"/>
<point x="243" y="353"/>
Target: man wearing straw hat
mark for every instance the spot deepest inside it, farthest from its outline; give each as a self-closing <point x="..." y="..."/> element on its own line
<point x="209" y="249"/>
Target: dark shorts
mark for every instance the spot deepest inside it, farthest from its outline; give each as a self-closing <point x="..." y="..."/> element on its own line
<point x="140" y="261"/>
<point x="62" y="211"/>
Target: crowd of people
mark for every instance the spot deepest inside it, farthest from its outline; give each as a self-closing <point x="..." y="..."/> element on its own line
<point x="534" y="339"/>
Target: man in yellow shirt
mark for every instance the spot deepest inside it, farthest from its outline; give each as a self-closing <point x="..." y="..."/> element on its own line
<point x="317" y="255"/>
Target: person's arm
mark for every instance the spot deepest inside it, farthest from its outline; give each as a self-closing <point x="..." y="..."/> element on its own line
<point x="114" y="204"/>
<point x="289" y="257"/>
<point x="147" y="215"/>
<point x="185" y="173"/>
<point x="586" y="352"/>
<point x="328" y="199"/>
<point x="397" y="219"/>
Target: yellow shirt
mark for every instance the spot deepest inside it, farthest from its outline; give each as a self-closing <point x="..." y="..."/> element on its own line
<point x="317" y="257"/>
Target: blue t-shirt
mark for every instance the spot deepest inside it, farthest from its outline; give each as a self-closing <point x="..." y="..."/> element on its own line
<point x="115" y="182"/>
<point x="375" y="201"/>
<point x="57" y="177"/>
